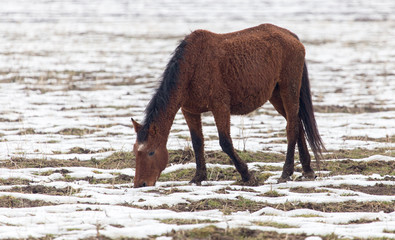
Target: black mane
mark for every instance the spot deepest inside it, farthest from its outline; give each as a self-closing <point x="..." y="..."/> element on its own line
<point x="161" y="98"/>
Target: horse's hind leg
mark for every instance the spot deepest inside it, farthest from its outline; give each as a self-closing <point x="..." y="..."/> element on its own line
<point x="291" y="110"/>
<point x="304" y="155"/>
<point x="285" y="99"/>
<point x="288" y="168"/>
<point x="222" y="120"/>
<point x="195" y="128"/>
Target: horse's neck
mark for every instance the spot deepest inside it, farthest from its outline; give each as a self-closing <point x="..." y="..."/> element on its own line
<point x="165" y="119"/>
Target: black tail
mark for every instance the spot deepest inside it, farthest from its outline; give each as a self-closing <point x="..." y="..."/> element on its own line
<point x="306" y="115"/>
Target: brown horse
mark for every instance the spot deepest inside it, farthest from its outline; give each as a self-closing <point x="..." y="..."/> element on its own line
<point x="226" y="74"/>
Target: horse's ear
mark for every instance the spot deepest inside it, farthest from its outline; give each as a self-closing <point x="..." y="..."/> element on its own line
<point x="136" y="126"/>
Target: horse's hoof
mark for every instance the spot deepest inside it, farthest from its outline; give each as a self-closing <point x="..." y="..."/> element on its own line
<point x="197" y="183"/>
<point x="250" y="180"/>
<point x="253" y="181"/>
<point x="309" y="175"/>
<point x="198" y="180"/>
<point x="306" y="177"/>
<point x="284" y="179"/>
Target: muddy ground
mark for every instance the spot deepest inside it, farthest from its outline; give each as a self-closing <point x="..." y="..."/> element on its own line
<point x="73" y="73"/>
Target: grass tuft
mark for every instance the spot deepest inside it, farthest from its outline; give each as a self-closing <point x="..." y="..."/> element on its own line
<point x="275" y="225"/>
<point x="179" y="221"/>
<point x="76" y="131"/>
<point x="213" y="232"/>
<point x="13" y="202"/>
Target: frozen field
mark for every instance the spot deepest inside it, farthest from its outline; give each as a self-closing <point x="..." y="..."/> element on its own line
<point x="73" y="73"/>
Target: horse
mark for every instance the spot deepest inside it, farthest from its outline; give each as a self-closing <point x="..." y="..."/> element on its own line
<point x="229" y="74"/>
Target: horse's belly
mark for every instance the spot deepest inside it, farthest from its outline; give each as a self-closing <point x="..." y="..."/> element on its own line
<point x="246" y="105"/>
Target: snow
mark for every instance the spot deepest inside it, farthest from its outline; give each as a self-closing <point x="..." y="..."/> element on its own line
<point x="95" y="64"/>
<point x="104" y="204"/>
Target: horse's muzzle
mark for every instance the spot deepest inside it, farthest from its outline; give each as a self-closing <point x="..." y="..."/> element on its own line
<point x="138" y="185"/>
<point x="144" y="184"/>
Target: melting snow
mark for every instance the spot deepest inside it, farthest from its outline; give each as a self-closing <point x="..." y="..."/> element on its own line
<point x="91" y="65"/>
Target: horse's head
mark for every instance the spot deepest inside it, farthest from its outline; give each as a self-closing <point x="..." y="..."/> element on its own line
<point x="151" y="158"/>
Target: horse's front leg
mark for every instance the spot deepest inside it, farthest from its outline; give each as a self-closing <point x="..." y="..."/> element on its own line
<point x="222" y="120"/>
<point x="194" y="122"/>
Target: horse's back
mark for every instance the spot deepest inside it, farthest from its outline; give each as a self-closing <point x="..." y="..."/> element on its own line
<point x="262" y="38"/>
<point x="241" y="68"/>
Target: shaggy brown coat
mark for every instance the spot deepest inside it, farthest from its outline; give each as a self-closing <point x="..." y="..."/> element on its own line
<point x="233" y="73"/>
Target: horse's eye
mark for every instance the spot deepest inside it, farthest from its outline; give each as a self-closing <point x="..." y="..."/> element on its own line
<point x="151" y="153"/>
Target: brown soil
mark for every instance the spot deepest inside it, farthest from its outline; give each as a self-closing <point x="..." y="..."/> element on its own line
<point x="12" y="202"/>
<point x="378" y="189"/>
<point x="214" y="233"/>
<point x="307" y="190"/>
<point x="40" y="189"/>
<point x="229" y="206"/>
<point x="353" y="110"/>
<point x="355" y="167"/>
